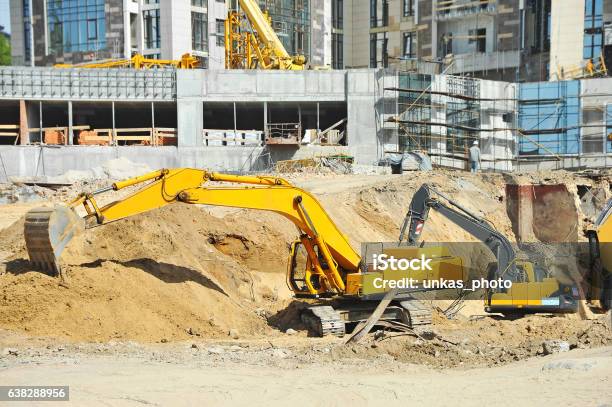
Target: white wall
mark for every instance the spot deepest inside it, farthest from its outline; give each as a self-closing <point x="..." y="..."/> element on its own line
<point x="216" y="11"/>
<point x="175" y="22"/>
<point x="566" y="37"/>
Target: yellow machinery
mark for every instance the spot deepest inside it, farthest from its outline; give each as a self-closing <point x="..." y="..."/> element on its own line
<point x="251" y="43"/>
<point x="528" y="287"/>
<point x="322" y="263"/>
<point x="600" y="250"/>
<point x="138" y="61"/>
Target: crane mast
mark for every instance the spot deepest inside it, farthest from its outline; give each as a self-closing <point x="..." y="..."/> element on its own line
<point x="252" y="43"/>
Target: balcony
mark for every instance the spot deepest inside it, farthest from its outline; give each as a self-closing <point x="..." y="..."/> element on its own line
<point x="482" y="62"/>
<point x="456" y="9"/>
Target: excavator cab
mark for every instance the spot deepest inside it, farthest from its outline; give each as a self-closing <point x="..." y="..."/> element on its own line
<point x="302" y="275"/>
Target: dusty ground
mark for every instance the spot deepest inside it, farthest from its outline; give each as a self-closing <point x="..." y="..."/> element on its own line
<point x="150" y="302"/>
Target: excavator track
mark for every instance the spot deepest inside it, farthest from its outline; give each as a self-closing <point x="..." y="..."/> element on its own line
<point x="418" y="314"/>
<point x="324" y="320"/>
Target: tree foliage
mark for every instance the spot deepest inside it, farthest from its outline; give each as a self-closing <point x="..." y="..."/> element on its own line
<point x="5" y="50"/>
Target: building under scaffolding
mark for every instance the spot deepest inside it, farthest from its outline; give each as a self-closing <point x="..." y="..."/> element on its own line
<point x="443" y="115"/>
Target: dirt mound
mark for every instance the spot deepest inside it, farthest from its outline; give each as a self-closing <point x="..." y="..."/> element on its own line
<point x="173" y="273"/>
<point x="484" y="342"/>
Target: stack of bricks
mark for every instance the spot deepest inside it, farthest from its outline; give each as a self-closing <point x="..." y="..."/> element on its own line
<point x="91" y="138"/>
<point x="54" y="137"/>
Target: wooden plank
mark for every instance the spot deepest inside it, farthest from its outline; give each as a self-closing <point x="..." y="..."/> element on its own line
<point x="132" y="138"/>
<point x="363" y="329"/>
<point x="9" y="126"/>
<point x="8" y="134"/>
<point x="134" y="130"/>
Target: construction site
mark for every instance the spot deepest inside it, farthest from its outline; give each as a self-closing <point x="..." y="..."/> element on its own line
<point x="172" y="234"/>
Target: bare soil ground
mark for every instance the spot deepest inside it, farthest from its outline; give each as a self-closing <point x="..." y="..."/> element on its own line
<point x="162" y="291"/>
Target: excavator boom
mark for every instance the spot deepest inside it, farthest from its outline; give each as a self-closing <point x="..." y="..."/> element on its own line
<point x="48" y="230"/>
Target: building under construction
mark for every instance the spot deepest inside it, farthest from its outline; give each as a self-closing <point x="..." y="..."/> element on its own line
<point x="247" y="120"/>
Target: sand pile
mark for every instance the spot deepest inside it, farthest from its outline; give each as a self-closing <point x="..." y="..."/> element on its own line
<point x="167" y="275"/>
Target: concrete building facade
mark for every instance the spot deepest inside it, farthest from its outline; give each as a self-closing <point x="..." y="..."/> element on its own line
<point x="511" y="40"/>
<point x="168" y="117"/>
<point x="50" y="32"/>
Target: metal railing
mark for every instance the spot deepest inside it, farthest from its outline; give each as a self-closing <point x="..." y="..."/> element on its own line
<point x="87" y="84"/>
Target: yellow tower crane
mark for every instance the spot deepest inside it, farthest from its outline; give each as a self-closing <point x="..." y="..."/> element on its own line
<point x="251" y="43"/>
<point x="138" y="61"/>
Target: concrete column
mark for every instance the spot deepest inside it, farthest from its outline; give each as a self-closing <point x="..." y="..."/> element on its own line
<point x="24" y="132"/>
<point x="190" y="106"/>
<point x="265" y="115"/>
<point x="190" y="116"/>
<point x="113" y="133"/>
<point x="234" y="119"/>
<point x="70" y="134"/>
<point x="40" y="123"/>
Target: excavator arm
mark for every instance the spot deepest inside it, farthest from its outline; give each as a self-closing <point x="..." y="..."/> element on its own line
<point x="423" y="200"/>
<point x="48" y="230"/>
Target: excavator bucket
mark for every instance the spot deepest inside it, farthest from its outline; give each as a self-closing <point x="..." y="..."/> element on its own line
<point x="47" y="232"/>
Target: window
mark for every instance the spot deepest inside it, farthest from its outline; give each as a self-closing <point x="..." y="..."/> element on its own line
<point x="379" y="8"/>
<point x="199" y="31"/>
<point x="220" y="32"/>
<point x="151" y="28"/>
<point x="92" y="29"/>
<point x="379" y="57"/>
<point x="27" y="25"/>
<point x="446" y="44"/>
<point x="593" y="29"/>
<point x="479" y="37"/>
<point x="337" y="51"/>
<point x="76" y="26"/>
<point x="408" y="7"/>
<point x="408" y="49"/>
<point x="199" y="3"/>
<point x="337" y="14"/>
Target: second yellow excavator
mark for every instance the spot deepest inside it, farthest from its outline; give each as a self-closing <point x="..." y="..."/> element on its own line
<point x="322" y="263"/>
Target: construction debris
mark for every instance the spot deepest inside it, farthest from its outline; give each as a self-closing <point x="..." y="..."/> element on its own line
<point x="337" y="164"/>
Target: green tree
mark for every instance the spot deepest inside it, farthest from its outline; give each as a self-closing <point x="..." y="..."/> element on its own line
<point x="5" y="50"/>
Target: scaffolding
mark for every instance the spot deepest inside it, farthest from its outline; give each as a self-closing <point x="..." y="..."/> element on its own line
<point x="442" y="115"/>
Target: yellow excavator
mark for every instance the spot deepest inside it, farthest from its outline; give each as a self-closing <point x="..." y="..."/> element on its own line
<point x="322" y="263"/>
<point x="138" y="61"/>
<point x="599" y="280"/>
<point x="252" y="43"/>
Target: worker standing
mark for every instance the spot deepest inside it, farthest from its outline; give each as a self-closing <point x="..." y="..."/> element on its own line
<point x="474" y="157"/>
<point x="590" y="67"/>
